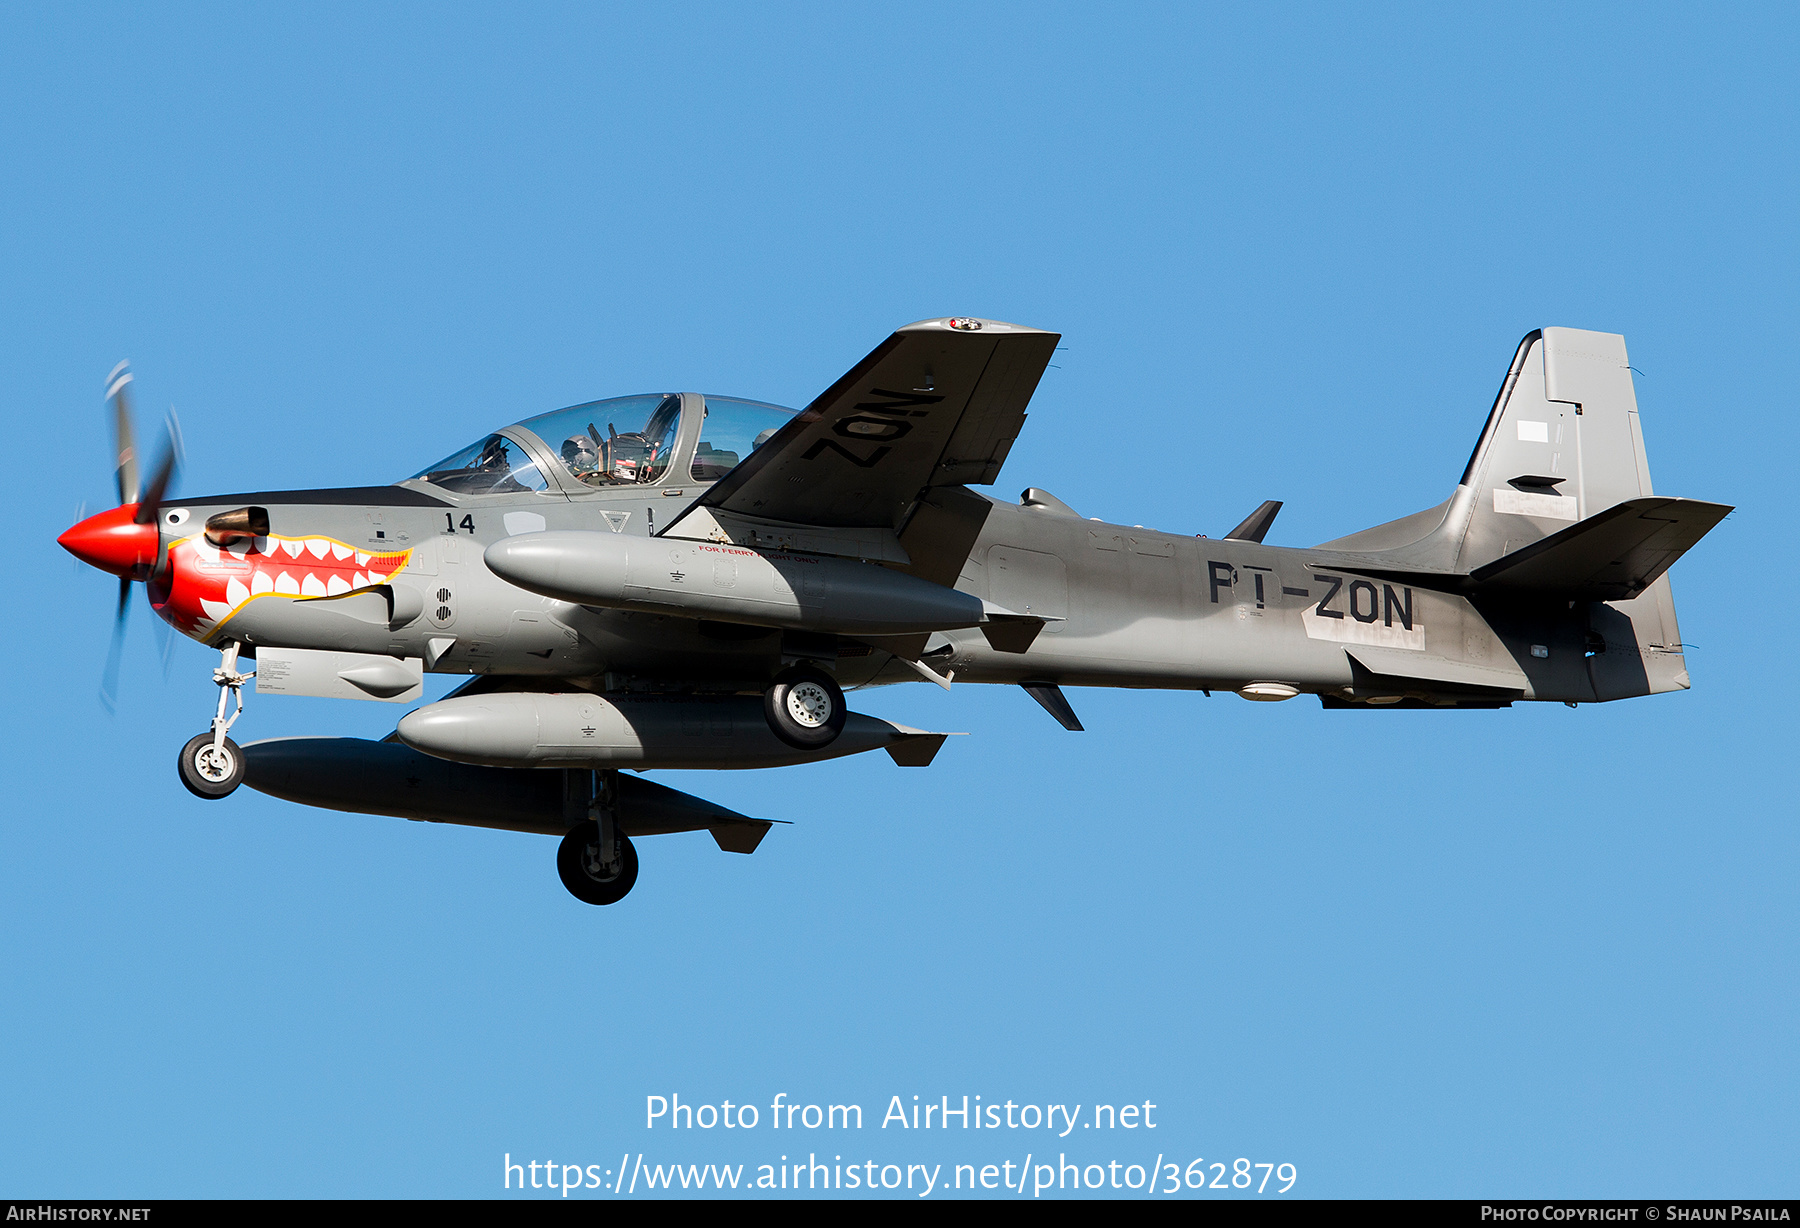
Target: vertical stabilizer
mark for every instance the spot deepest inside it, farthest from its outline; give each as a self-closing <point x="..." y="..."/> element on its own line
<point x="1561" y="444"/>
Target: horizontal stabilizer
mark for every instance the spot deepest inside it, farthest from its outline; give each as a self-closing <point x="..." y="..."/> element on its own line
<point x="1613" y="555"/>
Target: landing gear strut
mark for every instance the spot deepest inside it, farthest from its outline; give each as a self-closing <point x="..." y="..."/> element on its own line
<point x="805" y="707"/>
<point x="211" y="764"/>
<point x="596" y="860"/>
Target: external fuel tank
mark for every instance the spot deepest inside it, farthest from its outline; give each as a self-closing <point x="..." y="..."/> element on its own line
<point x="581" y="730"/>
<point x="802" y="592"/>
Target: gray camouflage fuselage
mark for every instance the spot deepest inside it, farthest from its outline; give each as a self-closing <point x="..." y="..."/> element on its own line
<point x="628" y="590"/>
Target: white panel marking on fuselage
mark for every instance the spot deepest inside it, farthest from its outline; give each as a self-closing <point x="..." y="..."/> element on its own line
<point x="1529" y="503"/>
<point x="1378" y="634"/>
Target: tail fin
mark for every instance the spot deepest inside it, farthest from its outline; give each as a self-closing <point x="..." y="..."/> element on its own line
<point x="1561" y="453"/>
<point x="1562" y="443"/>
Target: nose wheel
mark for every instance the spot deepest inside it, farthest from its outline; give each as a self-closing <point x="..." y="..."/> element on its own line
<point x="211" y="764"/>
<point x="211" y="769"/>
<point x="805" y="707"/>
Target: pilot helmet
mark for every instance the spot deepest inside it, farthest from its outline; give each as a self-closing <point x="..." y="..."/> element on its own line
<point x="579" y="454"/>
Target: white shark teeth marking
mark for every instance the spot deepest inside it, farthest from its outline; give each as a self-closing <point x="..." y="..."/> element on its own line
<point x="260" y="583"/>
<point x="362" y="560"/>
<point x="358" y="580"/>
<point x="318" y="545"/>
<point x="340" y="551"/>
<point x="293" y="548"/>
<point x="215" y="610"/>
<point x="310" y="586"/>
<point x="235" y="593"/>
<point x="238" y="549"/>
<point x="206" y="550"/>
<point x="285" y="583"/>
<point x="335" y="585"/>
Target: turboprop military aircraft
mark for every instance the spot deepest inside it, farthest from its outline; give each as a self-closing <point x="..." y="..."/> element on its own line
<point x="687" y="581"/>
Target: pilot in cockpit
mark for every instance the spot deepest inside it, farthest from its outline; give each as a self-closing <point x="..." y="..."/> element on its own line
<point x="582" y="456"/>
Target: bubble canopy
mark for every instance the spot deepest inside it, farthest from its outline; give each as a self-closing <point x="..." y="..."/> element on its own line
<point x="731" y="429"/>
<point x="493" y="466"/>
<point x="622" y="441"/>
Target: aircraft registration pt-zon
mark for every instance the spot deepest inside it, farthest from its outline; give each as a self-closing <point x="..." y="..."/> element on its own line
<point x="687" y="581"/>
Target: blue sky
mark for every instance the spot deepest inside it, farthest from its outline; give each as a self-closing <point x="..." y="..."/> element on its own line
<point x="1536" y="952"/>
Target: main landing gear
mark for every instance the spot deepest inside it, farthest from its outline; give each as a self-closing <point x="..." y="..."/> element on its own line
<point x="805" y="707"/>
<point x="596" y="860"/>
<point x="211" y="764"/>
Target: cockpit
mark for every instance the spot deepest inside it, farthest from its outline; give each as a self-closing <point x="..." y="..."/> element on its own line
<point x="624" y="441"/>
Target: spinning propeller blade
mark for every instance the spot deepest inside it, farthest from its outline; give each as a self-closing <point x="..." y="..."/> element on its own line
<point x="109" y="676"/>
<point x="165" y="646"/>
<point x="125" y="442"/>
<point x="166" y="469"/>
<point x="148" y="501"/>
<point x="159" y="485"/>
<point x="80" y="515"/>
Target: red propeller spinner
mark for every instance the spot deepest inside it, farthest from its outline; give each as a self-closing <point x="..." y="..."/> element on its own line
<point x="114" y="541"/>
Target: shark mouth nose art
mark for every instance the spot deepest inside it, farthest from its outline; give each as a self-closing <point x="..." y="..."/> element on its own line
<point x="207" y="584"/>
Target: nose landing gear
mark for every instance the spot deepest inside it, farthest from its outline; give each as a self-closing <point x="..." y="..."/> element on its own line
<point x="211" y="764"/>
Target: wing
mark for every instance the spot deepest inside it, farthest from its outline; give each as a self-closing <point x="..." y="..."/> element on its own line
<point x="939" y="403"/>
